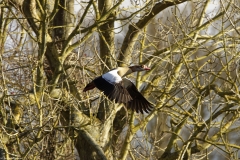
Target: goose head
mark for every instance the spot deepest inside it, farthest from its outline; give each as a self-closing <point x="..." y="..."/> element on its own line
<point x="139" y="68"/>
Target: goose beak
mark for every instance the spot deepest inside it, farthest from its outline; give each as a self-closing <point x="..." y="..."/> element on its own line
<point x="146" y="68"/>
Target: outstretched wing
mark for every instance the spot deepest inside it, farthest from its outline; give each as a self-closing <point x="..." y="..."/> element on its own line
<point x="138" y="102"/>
<point x="114" y="91"/>
<point x="123" y="92"/>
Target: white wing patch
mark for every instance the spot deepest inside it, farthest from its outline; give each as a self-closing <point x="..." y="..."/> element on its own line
<point x="112" y="76"/>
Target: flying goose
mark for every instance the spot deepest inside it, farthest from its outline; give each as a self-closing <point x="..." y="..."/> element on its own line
<point x="120" y="89"/>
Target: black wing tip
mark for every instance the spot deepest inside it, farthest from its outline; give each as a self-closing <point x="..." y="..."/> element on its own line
<point x="139" y="107"/>
<point x="147" y="109"/>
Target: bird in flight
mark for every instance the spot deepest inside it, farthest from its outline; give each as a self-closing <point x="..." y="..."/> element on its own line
<point x="120" y="89"/>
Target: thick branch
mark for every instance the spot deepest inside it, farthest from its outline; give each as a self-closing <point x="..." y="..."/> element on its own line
<point x="93" y="143"/>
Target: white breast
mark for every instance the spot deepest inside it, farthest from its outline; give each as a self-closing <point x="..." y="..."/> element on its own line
<point x="112" y="76"/>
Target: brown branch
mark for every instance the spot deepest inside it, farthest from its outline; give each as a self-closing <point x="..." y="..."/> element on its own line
<point x="29" y="10"/>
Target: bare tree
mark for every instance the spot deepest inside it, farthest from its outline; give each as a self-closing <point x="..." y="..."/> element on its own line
<point x="51" y="49"/>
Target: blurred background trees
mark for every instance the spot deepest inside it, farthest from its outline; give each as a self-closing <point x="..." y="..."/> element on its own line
<point x="51" y="49"/>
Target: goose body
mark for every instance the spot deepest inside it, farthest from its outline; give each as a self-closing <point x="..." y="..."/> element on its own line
<point x="120" y="89"/>
<point x="112" y="76"/>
